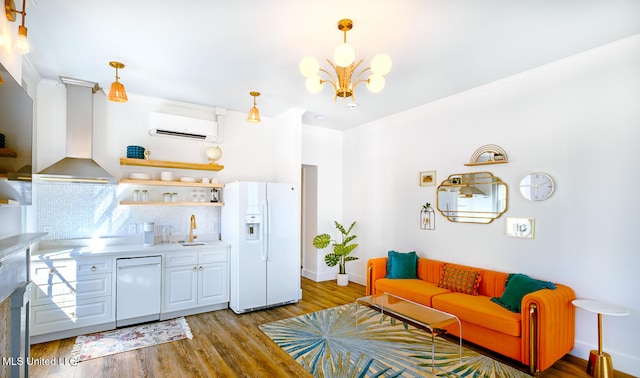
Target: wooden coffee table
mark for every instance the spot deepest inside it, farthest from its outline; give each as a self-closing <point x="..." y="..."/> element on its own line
<point x="418" y="315"/>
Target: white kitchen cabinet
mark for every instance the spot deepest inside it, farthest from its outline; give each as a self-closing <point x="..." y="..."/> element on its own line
<point x="71" y="294"/>
<point x="195" y="282"/>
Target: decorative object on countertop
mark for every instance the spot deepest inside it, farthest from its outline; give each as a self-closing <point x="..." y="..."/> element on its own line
<point x="166" y="233"/>
<point x="341" y="251"/>
<point x="427" y="217"/>
<point x="125" y="339"/>
<point x="149" y="234"/>
<point x="135" y="152"/>
<point x="214" y="154"/>
<point x="117" y="92"/>
<point x="254" y="113"/>
<point x="488" y="154"/>
<point x="345" y="65"/>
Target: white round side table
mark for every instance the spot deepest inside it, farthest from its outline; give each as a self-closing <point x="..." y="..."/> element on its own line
<point x="600" y="365"/>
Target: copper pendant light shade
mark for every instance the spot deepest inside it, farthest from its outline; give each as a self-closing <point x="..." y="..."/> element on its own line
<point x="117" y="92"/>
<point x="254" y="113"/>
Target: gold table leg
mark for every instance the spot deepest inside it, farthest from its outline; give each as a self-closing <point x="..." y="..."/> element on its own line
<point x="600" y="365"/>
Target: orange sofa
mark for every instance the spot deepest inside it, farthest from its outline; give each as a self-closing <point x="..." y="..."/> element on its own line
<point x="539" y="335"/>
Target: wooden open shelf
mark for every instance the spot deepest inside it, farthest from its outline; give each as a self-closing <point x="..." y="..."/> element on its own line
<point x="170" y="164"/>
<point x="169" y="183"/>
<point x="486" y="163"/>
<point x="161" y="203"/>
<point x="5" y="152"/>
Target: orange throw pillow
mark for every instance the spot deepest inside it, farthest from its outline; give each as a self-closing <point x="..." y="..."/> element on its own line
<point x="460" y="280"/>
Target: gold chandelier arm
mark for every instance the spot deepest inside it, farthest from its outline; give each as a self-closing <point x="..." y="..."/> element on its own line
<point x="357" y="80"/>
<point x="331" y="77"/>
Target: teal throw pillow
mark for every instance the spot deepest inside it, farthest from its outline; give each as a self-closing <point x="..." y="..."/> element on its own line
<point x="519" y="285"/>
<point x="402" y="265"/>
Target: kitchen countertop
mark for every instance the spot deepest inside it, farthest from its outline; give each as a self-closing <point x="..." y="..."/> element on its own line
<point x="97" y="248"/>
<point x="17" y="243"/>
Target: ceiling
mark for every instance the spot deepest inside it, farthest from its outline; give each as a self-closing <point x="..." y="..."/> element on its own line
<point x="215" y="52"/>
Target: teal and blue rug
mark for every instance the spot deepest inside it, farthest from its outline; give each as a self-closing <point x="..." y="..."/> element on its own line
<point x="327" y="344"/>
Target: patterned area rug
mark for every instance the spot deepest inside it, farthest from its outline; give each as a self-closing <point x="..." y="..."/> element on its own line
<point x="327" y="344"/>
<point x="124" y="339"/>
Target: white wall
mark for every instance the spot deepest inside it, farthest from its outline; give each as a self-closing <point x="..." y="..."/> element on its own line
<point x="577" y="120"/>
<point x="322" y="148"/>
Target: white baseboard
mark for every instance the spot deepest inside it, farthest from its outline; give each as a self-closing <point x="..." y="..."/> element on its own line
<point x="621" y="362"/>
<point x="328" y="276"/>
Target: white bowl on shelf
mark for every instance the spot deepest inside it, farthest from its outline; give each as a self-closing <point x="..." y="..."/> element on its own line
<point x="187" y="179"/>
<point x="140" y="176"/>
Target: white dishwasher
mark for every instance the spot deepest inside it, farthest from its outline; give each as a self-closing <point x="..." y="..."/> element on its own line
<point x="138" y="290"/>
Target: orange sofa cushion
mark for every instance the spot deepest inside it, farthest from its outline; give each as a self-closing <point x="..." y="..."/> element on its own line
<point x="415" y="290"/>
<point x="460" y="280"/>
<point x="481" y="311"/>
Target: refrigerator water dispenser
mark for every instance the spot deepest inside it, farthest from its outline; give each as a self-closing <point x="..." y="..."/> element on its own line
<point x="252" y="226"/>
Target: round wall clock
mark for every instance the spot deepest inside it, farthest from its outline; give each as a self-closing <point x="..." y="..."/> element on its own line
<point x="537" y="186"/>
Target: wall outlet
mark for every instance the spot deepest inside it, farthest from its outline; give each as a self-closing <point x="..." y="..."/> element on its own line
<point x="132" y="229"/>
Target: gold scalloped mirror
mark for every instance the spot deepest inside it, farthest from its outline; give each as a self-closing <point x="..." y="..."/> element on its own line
<point x="477" y="197"/>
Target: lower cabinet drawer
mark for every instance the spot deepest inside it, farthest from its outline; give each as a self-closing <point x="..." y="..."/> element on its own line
<point x="96" y="285"/>
<point x="84" y="312"/>
<point x="206" y="257"/>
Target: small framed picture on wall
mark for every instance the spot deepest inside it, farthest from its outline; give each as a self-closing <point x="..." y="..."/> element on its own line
<point x="428" y="178"/>
<point x="520" y="227"/>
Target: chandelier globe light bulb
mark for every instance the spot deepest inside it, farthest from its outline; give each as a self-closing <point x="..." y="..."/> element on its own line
<point x="344" y="55"/>
<point x="375" y="83"/>
<point x="313" y="84"/>
<point x="309" y="66"/>
<point x="381" y="64"/>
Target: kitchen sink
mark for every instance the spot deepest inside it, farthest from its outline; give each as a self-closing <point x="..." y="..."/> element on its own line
<point x="193" y="244"/>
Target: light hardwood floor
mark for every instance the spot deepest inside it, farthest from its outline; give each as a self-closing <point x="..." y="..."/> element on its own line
<point x="226" y="345"/>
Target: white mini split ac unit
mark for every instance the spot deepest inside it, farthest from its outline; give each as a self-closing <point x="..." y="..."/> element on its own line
<point x="162" y="124"/>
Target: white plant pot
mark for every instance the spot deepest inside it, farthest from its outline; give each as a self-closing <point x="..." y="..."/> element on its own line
<point x="343" y="279"/>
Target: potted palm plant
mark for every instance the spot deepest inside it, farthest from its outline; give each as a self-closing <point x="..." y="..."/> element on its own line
<point x="341" y="251"/>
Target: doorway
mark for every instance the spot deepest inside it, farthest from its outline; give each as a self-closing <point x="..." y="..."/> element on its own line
<point x="309" y="221"/>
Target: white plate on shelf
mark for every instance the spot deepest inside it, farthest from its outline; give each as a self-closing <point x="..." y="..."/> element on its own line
<point x="187" y="179"/>
<point x="140" y="176"/>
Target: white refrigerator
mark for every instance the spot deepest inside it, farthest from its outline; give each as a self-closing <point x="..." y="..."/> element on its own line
<point x="261" y="221"/>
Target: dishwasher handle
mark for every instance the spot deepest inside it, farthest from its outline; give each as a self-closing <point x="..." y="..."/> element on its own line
<point x="137" y="266"/>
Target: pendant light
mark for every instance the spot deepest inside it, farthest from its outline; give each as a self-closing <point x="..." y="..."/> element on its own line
<point x="254" y="113"/>
<point x="117" y="92"/>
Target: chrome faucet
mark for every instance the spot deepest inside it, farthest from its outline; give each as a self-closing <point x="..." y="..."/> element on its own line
<point x="192" y="226"/>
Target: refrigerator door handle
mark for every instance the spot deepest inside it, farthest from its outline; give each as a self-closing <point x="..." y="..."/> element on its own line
<point x="268" y="228"/>
<point x="265" y="232"/>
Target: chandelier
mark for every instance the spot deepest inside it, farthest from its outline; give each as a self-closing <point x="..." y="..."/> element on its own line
<point x="344" y="64"/>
